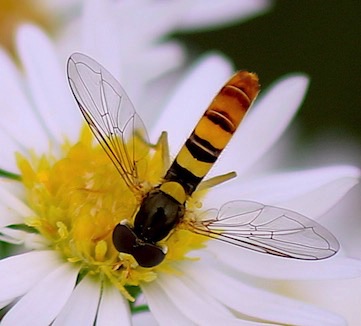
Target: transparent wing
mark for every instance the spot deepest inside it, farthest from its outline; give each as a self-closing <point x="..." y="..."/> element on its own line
<point x="267" y="229"/>
<point x="110" y="115"/>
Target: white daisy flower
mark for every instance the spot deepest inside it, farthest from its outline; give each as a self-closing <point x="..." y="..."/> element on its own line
<point x="70" y="197"/>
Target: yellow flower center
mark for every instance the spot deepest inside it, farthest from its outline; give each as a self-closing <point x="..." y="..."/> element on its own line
<point x="13" y="13"/>
<point x="80" y="198"/>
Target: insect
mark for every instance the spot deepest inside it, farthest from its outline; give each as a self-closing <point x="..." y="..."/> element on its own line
<point x="115" y="123"/>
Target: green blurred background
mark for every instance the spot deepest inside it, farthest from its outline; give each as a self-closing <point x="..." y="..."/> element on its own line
<point x="319" y="38"/>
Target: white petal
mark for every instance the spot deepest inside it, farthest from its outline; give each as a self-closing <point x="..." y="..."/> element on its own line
<point x="191" y="99"/>
<point x="271" y="267"/>
<point x="320" y="200"/>
<point x="107" y="25"/>
<point x="153" y="97"/>
<point x="153" y="63"/>
<point x="341" y="296"/>
<point x="48" y="86"/>
<point x="100" y="31"/>
<point x="263" y="125"/>
<point x="29" y="241"/>
<point x="12" y="236"/>
<point x="163" y="309"/>
<point x="14" y="187"/>
<point x="20" y="273"/>
<point x="8" y="216"/>
<point x="44" y="301"/>
<point x="196" y="304"/>
<point x="165" y="17"/>
<point x="13" y="209"/>
<point x="17" y="118"/>
<point x="158" y="60"/>
<point x="207" y="14"/>
<point x="82" y="305"/>
<point x="310" y="192"/>
<point x="275" y="308"/>
<point x="113" y="304"/>
<point x="8" y="148"/>
<point x="32" y="241"/>
<point x="145" y="318"/>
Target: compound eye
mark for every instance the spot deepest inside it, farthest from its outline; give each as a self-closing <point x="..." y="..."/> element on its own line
<point x="124" y="239"/>
<point x="148" y="255"/>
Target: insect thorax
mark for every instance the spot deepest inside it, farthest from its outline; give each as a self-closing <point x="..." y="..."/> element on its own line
<point x="158" y="214"/>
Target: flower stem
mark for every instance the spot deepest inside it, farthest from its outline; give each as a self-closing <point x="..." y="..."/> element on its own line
<point x="9" y="175"/>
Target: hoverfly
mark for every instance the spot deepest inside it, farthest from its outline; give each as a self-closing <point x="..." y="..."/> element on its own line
<point x="114" y="122"/>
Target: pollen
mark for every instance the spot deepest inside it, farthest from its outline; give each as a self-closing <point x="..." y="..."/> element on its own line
<point x="79" y="199"/>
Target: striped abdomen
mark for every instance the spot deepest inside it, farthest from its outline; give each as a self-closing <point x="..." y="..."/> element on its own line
<point x="213" y="131"/>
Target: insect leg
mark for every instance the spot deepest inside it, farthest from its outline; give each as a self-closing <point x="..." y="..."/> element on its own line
<point x="215" y="181"/>
<point x="163" y="146"/>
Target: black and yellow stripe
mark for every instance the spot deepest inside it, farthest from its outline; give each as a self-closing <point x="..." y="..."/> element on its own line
<point x="213" y="131"/>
